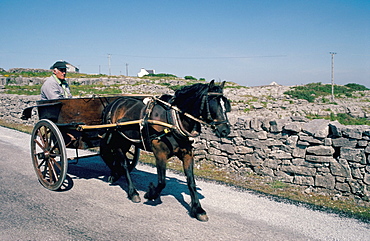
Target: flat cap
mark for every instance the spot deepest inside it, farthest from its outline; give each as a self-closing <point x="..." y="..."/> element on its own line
<point x="59" y="65"/>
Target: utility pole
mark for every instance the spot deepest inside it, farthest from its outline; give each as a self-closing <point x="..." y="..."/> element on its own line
<point x="126" y="69"/>
<point x="332" y="75"/>
<point x="109" y="55"/>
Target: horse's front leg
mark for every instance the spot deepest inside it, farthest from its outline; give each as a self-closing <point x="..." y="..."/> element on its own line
<point x="161" y="154"/>
<point x="196" y="209"/>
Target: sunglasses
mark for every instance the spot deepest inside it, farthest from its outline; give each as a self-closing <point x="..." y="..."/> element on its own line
<point x="62" y="70"/>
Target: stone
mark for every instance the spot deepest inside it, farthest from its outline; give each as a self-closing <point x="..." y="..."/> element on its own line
<point x="310" y="139"/>
<point x="277" y="125"/>
<point x="354" y="133"/>
<point x="344" y="187"/>
<point x="299" y="151"/>
<point x="252" y="160"/>
<point x="367" y="178"/>
<point x="340" y="168"/>
<point x="336" y="128"/>
<point x="353" y="154"/>
<point x="367" y="149"/>
<point x="218" y="159"/>
<point x="293" y="127"/>
<point x="317" y="128"/>
<point x="299" y="118"/>
<point x="326" y="180"/>
<point x="282" y="176"/>
<point x="304" y="181"/>
<point x="320" y="150"/>
<point x="362" y="143"/>
<point x="292" y="140"/>
<point x="339" y="142"/>
<point x="319" y="159"/>
<point x="248" y="134"/>
<point x="300" y="170"/>
<point x="280" y="155"/>
<point x="328" y="142"/>
<point x="243" y="150"/>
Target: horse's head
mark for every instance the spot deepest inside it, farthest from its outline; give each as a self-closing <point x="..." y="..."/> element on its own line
<point x="216" y="107"/>
<point x="207" y="103"/>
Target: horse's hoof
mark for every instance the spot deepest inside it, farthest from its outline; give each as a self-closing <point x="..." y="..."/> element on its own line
<point x="202" y="217"/>
<point x="135" y="199"/>
<point x="112" y="179"/>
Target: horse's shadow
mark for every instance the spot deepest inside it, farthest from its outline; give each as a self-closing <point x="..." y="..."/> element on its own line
<point x="95" y="168"/>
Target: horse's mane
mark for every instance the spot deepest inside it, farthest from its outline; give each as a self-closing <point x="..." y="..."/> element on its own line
<point x="189" y="98"/>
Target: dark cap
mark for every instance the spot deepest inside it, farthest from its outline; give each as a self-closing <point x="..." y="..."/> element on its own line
<point x="59" y="65"/>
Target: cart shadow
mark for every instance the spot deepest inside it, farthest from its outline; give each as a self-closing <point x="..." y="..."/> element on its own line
<point x="95" y="168"/>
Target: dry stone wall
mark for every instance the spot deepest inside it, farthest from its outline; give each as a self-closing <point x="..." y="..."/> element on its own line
<point x="317" y="154"/>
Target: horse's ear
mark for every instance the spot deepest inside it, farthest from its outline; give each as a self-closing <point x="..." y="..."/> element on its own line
<point x="223" y="84"/>
<point x="211" y="84"/>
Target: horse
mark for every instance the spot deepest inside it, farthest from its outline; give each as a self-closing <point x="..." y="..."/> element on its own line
<point x="167" y="128"/>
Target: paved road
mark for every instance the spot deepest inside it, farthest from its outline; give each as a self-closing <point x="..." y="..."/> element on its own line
<point x="91" y="209"/>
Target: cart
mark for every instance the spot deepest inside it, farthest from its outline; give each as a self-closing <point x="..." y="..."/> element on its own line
<point x="69" y="123"/>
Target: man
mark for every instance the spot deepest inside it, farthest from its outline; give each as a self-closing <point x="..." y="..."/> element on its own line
<point x="56" y="86"/>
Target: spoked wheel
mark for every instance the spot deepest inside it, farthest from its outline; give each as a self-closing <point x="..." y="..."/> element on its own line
<point x="132" y="156"/>
<point x="49" y="155"/>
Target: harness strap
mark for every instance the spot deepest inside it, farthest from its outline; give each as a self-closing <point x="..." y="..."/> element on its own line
<point x="180" y="111"/>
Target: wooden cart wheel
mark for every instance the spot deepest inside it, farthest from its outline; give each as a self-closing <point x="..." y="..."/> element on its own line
<point x="132" y="156"/>
<point x="49" y="155"/>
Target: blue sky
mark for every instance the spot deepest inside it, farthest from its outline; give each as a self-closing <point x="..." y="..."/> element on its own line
<point x="250" y="42"/>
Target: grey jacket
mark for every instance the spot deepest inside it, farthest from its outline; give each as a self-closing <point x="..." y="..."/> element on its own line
<point x="51" y="89"/>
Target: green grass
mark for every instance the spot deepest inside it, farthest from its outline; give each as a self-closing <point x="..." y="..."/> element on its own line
<point x="312" y="91"/>
<point x="343" y="118"/>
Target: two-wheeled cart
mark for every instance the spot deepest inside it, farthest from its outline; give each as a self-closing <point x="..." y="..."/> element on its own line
<point x="69" y="123"/>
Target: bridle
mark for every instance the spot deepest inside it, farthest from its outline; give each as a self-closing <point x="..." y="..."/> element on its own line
<point x="208" y="121"/>
<point x="205" y="106"/>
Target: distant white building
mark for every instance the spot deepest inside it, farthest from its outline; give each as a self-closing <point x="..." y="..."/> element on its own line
<point x="144" y="72"/>
<point x="72" y="68"/>
<point x="273" y="83"/>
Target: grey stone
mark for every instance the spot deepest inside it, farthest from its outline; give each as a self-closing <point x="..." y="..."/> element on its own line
<point x="317" y="128"/>
<point x="304" y="180"/>
<point x="310" y="139"/>
<point x="352" y="154"/>
<point x="336" y="128"/>
<point x="339" y="142"/>
<point x="243" y="150"/>
<point x="280" y="155"/>
<point x="344" y="187"/>
<point x="326" y="180"/>
<point x="340" y="168"/>
<point x="299" y="151"/>
<point x="320" y="150"/>
<point x="293" y="127"/>
<point x="353" y="133"/>
<point x="277" y="125"/>
<point x="298" y="170"/>
<point x="248" y="134"/>
<point x="319" y="159"/>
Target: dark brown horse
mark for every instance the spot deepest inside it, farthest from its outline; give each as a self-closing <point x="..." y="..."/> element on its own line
<point x="167" y="127"/>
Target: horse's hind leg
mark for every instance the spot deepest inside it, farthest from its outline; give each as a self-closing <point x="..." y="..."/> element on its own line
<point x="108" y="154"/>
<point x="133" y="195"/>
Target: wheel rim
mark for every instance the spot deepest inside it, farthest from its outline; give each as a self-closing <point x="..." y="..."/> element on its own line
<point x="49" y="154"/>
